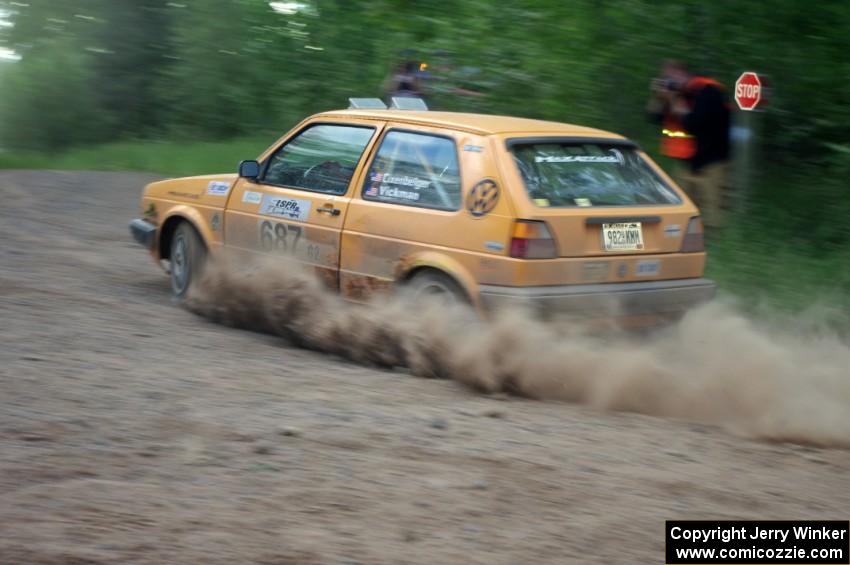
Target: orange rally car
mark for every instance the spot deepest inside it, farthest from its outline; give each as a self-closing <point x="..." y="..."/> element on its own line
<point x="486" y="209"/>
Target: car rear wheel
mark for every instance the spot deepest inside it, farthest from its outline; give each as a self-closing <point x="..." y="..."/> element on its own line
<point x="188" y="257"/>
<point x="433" y="285"/>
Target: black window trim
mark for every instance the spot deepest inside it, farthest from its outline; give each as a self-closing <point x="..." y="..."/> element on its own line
<point x="377" y="150"/>
<point x="267" y="161"/>
<point x="574" y="140"/>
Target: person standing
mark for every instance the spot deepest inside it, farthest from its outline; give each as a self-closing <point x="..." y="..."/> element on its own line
<point x="404" y="81"/>
<point x="695" y="119"/>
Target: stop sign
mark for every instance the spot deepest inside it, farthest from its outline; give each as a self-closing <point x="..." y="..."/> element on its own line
<point x="748" y="91"/>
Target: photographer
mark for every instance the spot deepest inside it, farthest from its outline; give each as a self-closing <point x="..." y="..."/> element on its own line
<point x="694" y="117"/>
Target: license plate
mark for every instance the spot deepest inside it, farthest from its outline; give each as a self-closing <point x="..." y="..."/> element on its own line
<point x="626" y="236"/>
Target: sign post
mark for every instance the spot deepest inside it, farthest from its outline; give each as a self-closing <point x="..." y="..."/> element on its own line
<point x="749" y="96"/>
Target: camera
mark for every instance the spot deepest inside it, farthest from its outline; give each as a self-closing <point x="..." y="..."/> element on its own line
<point x="668" y="84"/>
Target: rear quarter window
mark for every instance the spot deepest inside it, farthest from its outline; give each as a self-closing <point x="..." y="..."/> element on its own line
<point x="415" y="169"/>
<point x="589" y="174"/>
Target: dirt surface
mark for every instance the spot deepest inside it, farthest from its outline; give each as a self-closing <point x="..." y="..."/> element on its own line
<point x="133" y="431"/>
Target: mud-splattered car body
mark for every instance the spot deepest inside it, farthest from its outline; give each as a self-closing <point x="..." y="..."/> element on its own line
<point x="508" y="210"/>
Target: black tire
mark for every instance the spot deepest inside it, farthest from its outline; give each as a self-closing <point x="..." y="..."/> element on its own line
<point x="431" y="284"/>
<point x="188" y="257"/>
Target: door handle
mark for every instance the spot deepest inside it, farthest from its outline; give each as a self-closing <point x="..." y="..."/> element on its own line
<point x="328" y="209"/>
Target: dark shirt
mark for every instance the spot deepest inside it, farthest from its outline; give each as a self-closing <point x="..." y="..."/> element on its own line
<point x="709" y="123"/>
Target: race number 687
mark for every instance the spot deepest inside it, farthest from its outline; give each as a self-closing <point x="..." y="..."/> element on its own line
<point x="279" y="237"/>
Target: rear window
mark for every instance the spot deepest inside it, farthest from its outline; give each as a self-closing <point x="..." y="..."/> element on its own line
<point x="589" y="174"/>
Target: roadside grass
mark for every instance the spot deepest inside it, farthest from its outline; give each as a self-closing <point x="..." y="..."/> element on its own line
<point x="169" y="158"/>
<point x="767" y="266"/>
<point x="767" y="270"/>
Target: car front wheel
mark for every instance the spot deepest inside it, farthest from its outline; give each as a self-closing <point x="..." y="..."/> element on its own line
<point x="188" y="257"/>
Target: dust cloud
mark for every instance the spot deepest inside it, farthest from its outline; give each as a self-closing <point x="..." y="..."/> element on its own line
<point x="717" y="366"/>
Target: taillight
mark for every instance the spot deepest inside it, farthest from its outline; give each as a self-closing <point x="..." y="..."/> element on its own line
<point x="693" y="241"/>
<point x="531" y="240"/>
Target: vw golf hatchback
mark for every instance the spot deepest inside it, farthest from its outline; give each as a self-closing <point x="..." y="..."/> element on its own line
<point x="490" y="210"/>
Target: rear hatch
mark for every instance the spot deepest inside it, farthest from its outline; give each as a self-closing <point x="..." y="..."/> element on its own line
<point x="600" y="197"/>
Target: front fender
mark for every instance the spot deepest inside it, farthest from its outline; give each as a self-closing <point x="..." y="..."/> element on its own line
<point x="185" y="213"/>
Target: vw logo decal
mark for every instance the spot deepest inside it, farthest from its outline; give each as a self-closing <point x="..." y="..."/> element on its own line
<point x="482" y="198"/>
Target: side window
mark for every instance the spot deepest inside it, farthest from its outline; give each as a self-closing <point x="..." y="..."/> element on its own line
<point x="415" y="169"/>
<point x="321" y="158"/>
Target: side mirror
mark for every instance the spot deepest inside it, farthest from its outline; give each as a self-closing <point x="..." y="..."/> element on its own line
<point x="249" y="170"/>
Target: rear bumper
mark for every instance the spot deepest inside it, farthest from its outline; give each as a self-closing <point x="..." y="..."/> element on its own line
<point x="144" y="233"/>
<point x="668" y="297"/>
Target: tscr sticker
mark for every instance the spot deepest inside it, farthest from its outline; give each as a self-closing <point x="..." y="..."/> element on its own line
<point x="291" y="208"/>
<point x="482" y="198"/>
<point x="249" y="197"/>
<point x="218" y="188"/>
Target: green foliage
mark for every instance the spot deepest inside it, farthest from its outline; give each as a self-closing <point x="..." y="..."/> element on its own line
<point x="227" y="67"/>
<point x="766" y="268"/>
<point x="41" y="112"/>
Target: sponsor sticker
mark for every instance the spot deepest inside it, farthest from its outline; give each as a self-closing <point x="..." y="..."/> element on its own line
<point x="473" y="148"/>
<point x="583" y="202"/>
<point x="494" y="245"/>
<point x="218" y="188"/>
<point x="672" y="230"/>
<point x="250" y="197"/>
<point x="290" y="208"/>
<point x="594" y="271"/>
<point x="615" y="156"/>
<point x="648" y="268"/>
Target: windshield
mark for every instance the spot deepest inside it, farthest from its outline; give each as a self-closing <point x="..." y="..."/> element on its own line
<point x="589" y="174"/>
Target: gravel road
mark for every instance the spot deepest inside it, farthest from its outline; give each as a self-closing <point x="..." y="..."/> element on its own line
<point x="132" y="431"/>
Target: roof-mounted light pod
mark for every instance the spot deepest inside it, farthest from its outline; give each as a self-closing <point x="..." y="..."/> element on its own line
<point x="366" y="104"/>
<point x="408" y="103"/>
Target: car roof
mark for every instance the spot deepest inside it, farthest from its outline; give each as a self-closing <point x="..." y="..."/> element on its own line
<point x="475" y="123"/>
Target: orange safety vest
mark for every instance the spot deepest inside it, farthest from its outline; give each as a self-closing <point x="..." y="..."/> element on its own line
<point x="675" y="141"/>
